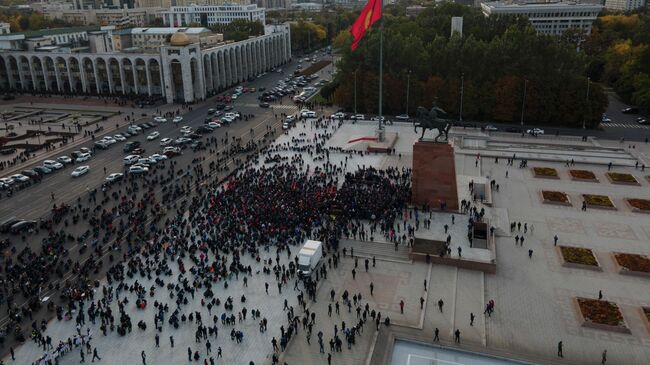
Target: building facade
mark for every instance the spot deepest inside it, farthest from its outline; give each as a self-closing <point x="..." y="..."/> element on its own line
<point x="5" y="28"/>
<point x="208" y="15"/>
<point x="121" y="17"/>
<point x="552" y="18"/>
<point x="182" y="71"/>
<point x="624" y="5"/>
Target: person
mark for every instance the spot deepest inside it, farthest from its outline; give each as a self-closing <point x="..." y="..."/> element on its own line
<point x="471" y="319"/>
<point x="530" y="254"/>
<point x="157" y="340"/>
<point x="95" y="355"/>
<point x="436" y="332"/>
<point x="559" y="349"/>
<point x="457" y="336"/>
<point x="83" y="358"/>
<point x="144" y="358"/>
<point x="329" y="358"/>
<point x="401" y="306"/>
<point x="604" y="357"/>
<point x="555" y="240"/>
<point x="440" y="304"/>
<point x="421" y="303"/>
<point x="372" y="287"/>
<point x="171" y="340"/>
<point x="600" y="295"/>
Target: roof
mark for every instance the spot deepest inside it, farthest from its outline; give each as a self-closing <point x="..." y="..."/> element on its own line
<point x="166" y="30"/>
<point x="57" y="31"/>
<point x="539" y="5"/>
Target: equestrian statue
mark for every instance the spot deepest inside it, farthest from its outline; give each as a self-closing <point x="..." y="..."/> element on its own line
<point x="436" y="118"/>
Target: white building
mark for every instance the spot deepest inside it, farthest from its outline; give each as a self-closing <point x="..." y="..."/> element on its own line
<point x="181" y="71"/>
<point x="5" y="28"/>
<point x="207" y="15"/>
<point x="624" y="5"/>
<point x="457" y="25"/>
<point x="552" y="18"/>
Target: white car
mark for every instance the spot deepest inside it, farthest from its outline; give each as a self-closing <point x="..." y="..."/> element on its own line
<point x="138" y="169"/>
<point x="186" y="129"/>
<point x="177" y="119"/>
<point x="134" y="129"/>
<point x="53" y="165"/>
<point x="146" y="161"/>
<point x="19" y="178"/>
<point x="214" y="125"/>
<point x="82" y="157"/>
<point x="114" y="177"/>
<point x="160" y="120"/>
<point x="402" y="117"/>
<point x="119" y="137"/>
<point x="157" y="157"/>
<point x="109" y="140"/>
<point x="166" y="141"/>
<point x="358" y="117"/>
<point x="7" y="181"/>
<point x="80" y="171"/>
<point x="490" y="127"/>
<point x="535" y="131"/>
<point x="171" y="149"/>
<point x="338" y="115"/>
<point x="153" y="136"/>
<point x="64" y="160"/>
<point x="234" y="97"/>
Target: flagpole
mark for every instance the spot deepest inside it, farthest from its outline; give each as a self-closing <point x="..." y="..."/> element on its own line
<point x="380" y="128"/>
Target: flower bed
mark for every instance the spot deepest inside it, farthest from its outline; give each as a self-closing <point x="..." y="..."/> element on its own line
<point x="601" y="314"/>
<point x="583" y="175"/>
<point x="639" y="205"/>
<point x="545" y="172"/>
<point x="579" y="258"/>
<point x="621" y="178"/>
<point x="555" y="197"/>
<point x="598" y="201"/>
<point x="632" y="264"/>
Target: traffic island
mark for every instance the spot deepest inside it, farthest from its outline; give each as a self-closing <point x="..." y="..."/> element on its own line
<point x="583" y="175"/>
<point x="545" y="173"/>
<point x="598" y="201"/>
<point x="601" y="315"/>
<point x="578" y="258"/>
<point x="622" y="178"/>
<point x="555" y="198"/>
<point x="632" y="264"/>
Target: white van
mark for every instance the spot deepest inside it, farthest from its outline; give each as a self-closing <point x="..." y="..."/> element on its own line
<point x="131" y="159"/>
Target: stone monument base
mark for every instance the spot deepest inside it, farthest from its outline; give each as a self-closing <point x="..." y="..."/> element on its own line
<point x="434" y="175"/>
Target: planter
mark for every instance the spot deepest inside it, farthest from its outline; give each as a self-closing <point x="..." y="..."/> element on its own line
<point x="632" y="264"/>
<point x="578" y="258"/>
<point x="638" y="205"/>
<point x="601" y="315"/>
<point x="555" y="198"/>
<point x="583" y="175"/>
<point x="621" y="178"/>
<point x="598" y="201"/>
<point x="545" y="173"/>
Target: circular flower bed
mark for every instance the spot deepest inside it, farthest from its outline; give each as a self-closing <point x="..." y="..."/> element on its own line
<point x="621" y="178"/>
<point x="640" y="204"/>
<point x="598" y="201"/>
<point x="545" y="172"/>
<point x="583" y="175"/>
<point x="633" y="262"/>
<point x="601" y="312"/>
<point x="578" y="255"/>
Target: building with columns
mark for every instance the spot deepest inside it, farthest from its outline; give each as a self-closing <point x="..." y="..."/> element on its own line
<point x="181" y="71"/>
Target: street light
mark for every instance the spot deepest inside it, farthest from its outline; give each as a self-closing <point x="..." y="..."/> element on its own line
<point x="355" y="92"/>
<point x="408" y="85"/>
<point x="523" y="105"/>
<point x="462" y="89"/>
<point x="584" y="125"/>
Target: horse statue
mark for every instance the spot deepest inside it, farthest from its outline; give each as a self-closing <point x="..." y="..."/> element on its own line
<point x="436" y="118"/>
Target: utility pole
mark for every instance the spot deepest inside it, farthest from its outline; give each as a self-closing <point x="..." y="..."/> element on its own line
<point x="408" y="86"/>
<point x="584" y="123"/>
<point x="462" y="90"/>
<point x="523" y="106"/>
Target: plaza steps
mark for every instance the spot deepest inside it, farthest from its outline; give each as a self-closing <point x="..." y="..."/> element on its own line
<point x="381" y="251"/>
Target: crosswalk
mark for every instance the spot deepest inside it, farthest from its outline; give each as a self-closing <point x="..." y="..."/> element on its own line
<point x="281" y="107"/>
<point x="624" y="125"/>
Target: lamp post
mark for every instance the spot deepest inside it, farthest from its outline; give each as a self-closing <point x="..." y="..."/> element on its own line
<point x="355" y="92"/>
<point x="408" y="86"/>
<point x="462" y="90"/>
<point x="584" y="117"/>
<point x="523" y="106"/>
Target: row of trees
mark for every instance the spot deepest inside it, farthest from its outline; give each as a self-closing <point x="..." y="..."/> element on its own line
<point x="21" y="21"/>
<point x="239" y="29"/>
<point x="494" y="60"/>
<point x="619" y="51"/>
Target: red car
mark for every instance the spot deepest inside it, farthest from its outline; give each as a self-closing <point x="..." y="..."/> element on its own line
<point x="137" y="151"/>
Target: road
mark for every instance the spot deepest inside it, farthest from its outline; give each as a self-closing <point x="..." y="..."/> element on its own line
<point x="35" y="201"/>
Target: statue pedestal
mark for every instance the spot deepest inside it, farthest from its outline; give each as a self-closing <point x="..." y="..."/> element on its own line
<point x="434" y="175"/>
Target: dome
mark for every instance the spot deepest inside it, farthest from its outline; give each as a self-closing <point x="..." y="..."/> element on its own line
<point x="179" y="39"/>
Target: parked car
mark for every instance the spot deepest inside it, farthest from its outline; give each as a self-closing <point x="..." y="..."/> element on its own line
<point x="643" y="121"/>
<point x="535" y="131"/>
<point x="42" y="170"/>
<point x="20" y="178"/>
<point x="214" y="124"/>
<point x="160" y="119"/>
<point x="153" y="136"/>
<point x="138" y="169"/>
<point x="138" y="151"/>
<point x="166" y="141"/>
<point x="6" y="225"/>
<point x="64" y="160"/>
<point x="119" y="137"/>
<point x="53" y="165"/>
<point x="178" y="119"/>
<point x="130" y="146"/>
<point x="31" y="173"/>
<point x="7" y="181"/>
<point x="81" y="170"/>
<point x="490" y="127"/>
<point x="109" y="140"/>
<point x="158" y="157"/>
<point x="83" y="157"/>
<point x="22" y="226"/>
<point x="630" y="110"/>
<point x="102" y="145"/>
<point x="116" y="176"/>
<point x="402" y="117"/>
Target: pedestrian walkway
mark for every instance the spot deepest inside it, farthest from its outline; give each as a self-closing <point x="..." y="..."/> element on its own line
<point x="624" y="125"/>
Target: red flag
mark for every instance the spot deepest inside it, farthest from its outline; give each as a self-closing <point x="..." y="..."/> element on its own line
<point x="369" y="16"/>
